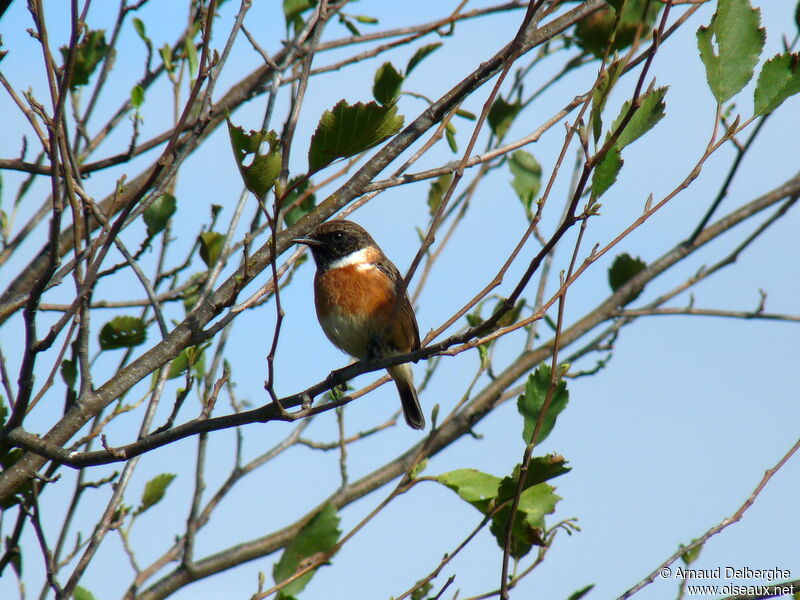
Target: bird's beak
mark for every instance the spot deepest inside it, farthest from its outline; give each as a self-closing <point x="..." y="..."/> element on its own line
<point x="307" y="241"/>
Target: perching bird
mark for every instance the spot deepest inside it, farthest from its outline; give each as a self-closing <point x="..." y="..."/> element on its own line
<point x="355" y="292"/>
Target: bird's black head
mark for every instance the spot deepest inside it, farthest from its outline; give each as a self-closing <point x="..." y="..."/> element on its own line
<point x="334" y="240"/>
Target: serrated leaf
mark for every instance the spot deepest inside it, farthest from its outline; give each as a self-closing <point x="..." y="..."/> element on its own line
<point x="421" y="54"/>
<point x="347" y="130"/>
<point x="298" y="211"/>
<point x="437" y="191"/>
<point x="650" y="111"/>
<point x="159" y="213"/>
<point x="386" y="86"/>
<point x="473" y="486"/>
<point x="501" y="115"/>
<point x="88" y="53"/>
<point x="605" y="173"/>
<point x="137" y="96"/>
<point x="530" y="403"/>
<point x="123" y="332"/>
<point x="528" y="527"/>
<point x="211" y="244"/>
<point x="594" y="32"/>
<point x="527" y="179"/>
<point x="730" y="47"/>
<point x="600" y="95"/>
<point x="263" y="168"/>
<point x="82" y="593"/>
<point x="623" y="269"/>
<point x="540" y="469"/>
<point x="779" y="79"/>
<point x="154" y="491"/>
<point x="262" y="173"/>
<point x="318" y="536"/>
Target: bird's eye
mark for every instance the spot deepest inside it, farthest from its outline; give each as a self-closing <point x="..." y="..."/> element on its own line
<point x="338" y="236"/>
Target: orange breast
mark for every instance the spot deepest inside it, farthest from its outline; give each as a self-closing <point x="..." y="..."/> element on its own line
<point x="354" y="305"/>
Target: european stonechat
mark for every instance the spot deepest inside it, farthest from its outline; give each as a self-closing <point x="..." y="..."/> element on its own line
<point x="355" y="293"/>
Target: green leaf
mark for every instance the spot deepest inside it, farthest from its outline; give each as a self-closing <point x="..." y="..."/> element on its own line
<point x="347" y="130"/>
<point x="594" y="32"/>
<point x="211" y="244"/>
<point x="366" y="20"/>
<point x="318" y="536"/>
<point x="123" y="332"/>
<point x="69" y="372"/>
<point x="88" y="53"/>
<point x="192" y="357"/>
<point x="450" y="136"/>
<point x="581" y="592"/>
<point x="7" y="460"/>
<point x="421" y="53"/>
<point x="623" y="269"/>
<point x="501" y="115"/>
<point x="527" y="530"/>
<point x="540" y="469"/>
<point x="730" y="47"/>
<point x="154" y="491"/>
<point x="473" y="486"/>
<point x="650" y="111"/>
<point x="3" y="412"/>
<point x="605" y="173"/>
<point x="692" y="555"/>
<point x="531" y="402"/>
<point x="190" y="51"/>
<point x="350" y="25"/>
<point x="797" y="16"/>
<point x="600" y="95"/>
<point x="779" y="79"/>
<point x="263" y="168"/>
<point x="166" y="55"/>
<point x="138" y="25"/>
<point x="159" y="213"/>
<point x="298" y="211"/>
<point x="387" y="84"/>
<point x="191" y="294"/>
<point x="137" y="96"/>
<point x="293" y="8"/>
<point x="437" y="191"/>
<point x="82" y="593"/>
<point x="527" y="179"/>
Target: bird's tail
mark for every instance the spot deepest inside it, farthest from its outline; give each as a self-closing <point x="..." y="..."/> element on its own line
<point x="404" y="380"/>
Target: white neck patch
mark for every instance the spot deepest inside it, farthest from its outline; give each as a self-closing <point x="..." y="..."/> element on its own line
<point x="360" y="259"/>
